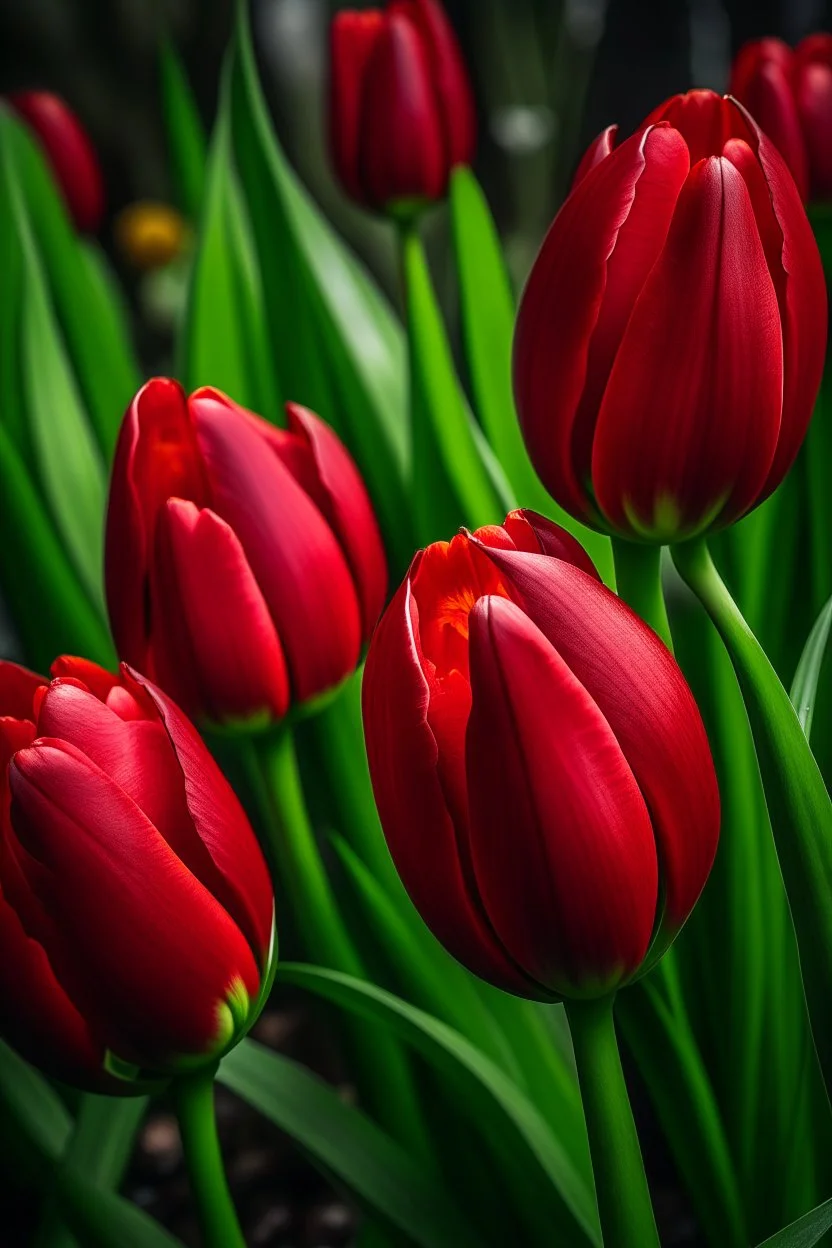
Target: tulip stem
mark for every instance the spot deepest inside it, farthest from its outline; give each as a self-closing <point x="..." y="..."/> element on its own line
<point x="798" y="803"/>
<point x="638" y="577"/>
<point x="624" y="1205"/>
<point x="194" y="1096"/>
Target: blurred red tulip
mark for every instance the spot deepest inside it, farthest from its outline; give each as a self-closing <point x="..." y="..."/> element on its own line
<point x="136" y="911"/>
<point x="541" y="770"/>
<point x="401" y="110"/>
<point x="244" y="565"/>
<point x="789" y="94"/>
<point x="69" y="152"/>
<point x="671" y="338"/>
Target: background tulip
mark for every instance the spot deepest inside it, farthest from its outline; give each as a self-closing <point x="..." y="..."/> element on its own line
<point x="789" y="92"/>
<point x="401" y="110"/>
<point x="671" y="337"/>
<point x="70" y="154"/>
<point x="244" y="566"/>
<point x="136" y="911"/>
<point x="542" y="773"/>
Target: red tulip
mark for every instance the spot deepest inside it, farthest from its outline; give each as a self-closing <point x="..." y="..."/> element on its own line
<point x="540" y="767"/>
<point x="790" y="95"/>
<point x="136" y="911"/>
<point x="401" y="110"/>
<point x="69" y="152"/>
<point x="244" y="566"/>
<point x="671" y="338"/>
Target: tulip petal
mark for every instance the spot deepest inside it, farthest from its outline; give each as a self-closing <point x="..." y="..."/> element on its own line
<point x="598" y="149"/>
<point x="689" y="423"/>
<point x="705" y="120"/>
<point x="70" y="153"/>
<point x="638" y="687"/>
<point x="291" y="550"/>
<point x="562" y="302"/>
<point x="527" y="530"/>
<point x="813" y="95"/>
<point x="767" y="94"/>
<point x="402" y="150"/>
<point x="17" y="690"/>
<point x="449" y="77"/>
<point x="38" y="1017"/>
<point x="162" y="956"/>
<point x="561" y="840"/>
<point x="97" y="679"/>
<point x="423" y="841"/>
<point x="336" y="486"/>
<point x="352" y="38"/>
<point x="220" y="822"/>
<point x="217" y="649"/>
<point x="156" y="458"/>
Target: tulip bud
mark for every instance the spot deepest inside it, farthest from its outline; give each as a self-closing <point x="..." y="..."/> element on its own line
<point x="789" y="93"/>
<point x="136" y="910"/>
<point x="671" y="337"/>
<point x="244" y="566"/>
<point x="540" y="767"/>
<point x="70" y="153"/>
<point x="401" y="110"/>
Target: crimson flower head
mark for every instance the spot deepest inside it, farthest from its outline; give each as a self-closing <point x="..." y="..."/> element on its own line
<point x="244" y="566"/>
<point x="69" y="152"/>
<point x="671" y="337"/>
<point x="540" y="767"/>
<point x="789" y="92"/>
<point x="401" y="110"/>
<point x="136" y="910"/>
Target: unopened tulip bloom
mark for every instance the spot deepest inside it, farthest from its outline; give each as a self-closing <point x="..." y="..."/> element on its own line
<point x="540" y="767"/>
<point x="244" y="566"/>
<point x="136" y="911"/>
<point x="671" y="338"/>
<point x="401" y="110"/>
<point x="789" y="93"/>
<point x="69" y="152"/>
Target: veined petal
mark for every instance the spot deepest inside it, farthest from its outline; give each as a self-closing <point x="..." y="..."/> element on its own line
<point x="423" y="840"/>
<point x="689" y="423"/>
<point x="641" y="692"/>
<point x="244" y="886"/>
<point x="561" y="305"/>
<point x="561" y="840"/>
<point x="217" y="648"/>
<point x="162" y="979"/>
<point x="291" y="550"/>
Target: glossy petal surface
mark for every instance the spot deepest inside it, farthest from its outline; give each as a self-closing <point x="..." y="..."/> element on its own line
<point x="352" y="38"/>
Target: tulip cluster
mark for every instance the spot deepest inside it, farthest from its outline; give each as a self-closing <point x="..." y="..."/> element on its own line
<point x="672" y="335"/>
<point x="541" y="770"/>
<point x="136" y="910"/>
<point x="244" y="565"/>
<point x="789" y="92"/>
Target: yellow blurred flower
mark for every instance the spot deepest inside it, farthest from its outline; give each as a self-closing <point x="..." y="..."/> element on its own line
<point x="150" y="235"/>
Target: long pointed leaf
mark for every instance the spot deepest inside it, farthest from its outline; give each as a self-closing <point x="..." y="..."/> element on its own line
<point x="805" y="684"/>
<point x="806" y="1231"/>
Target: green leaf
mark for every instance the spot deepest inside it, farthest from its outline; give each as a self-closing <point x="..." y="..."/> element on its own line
<point x="451" y="485"/>
<point x="488" y="312"/>
<point x="69" y="464"/>
<point x="50" y="610"/>
<point x="496" y="1102"/>
<point x="806" y="1231"/>
<point x="333" y="340"/>
<point x="805" y="684"/>
<point x="30" y="1101"/>
<point x="350" y="1148"/>
<point x="86" y="303"/>
<point x="101" y="1219"/>
<point x="186" y="138"/>
<point x="224" y="331"/>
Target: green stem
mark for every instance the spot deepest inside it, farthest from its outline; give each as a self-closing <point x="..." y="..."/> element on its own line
<point x="194" y="1096"/>
<point x="638" y="576"/>
<point x="624" y="1205"/>
<point x="292" y="848"/>
<point x="798" y="803"/>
